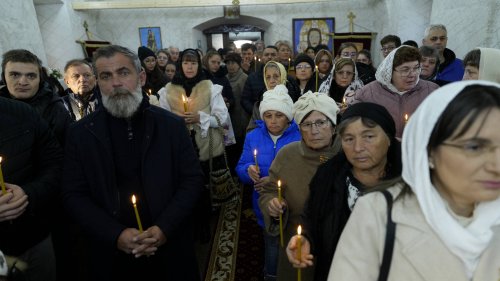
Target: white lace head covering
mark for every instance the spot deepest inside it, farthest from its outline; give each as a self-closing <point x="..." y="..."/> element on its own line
<point x="355" y="85"/>
<point x="384" y="71"/>
<point x="467" y="243"/>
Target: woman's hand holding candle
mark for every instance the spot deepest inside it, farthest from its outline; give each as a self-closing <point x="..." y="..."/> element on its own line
<point x="291" y="252"/>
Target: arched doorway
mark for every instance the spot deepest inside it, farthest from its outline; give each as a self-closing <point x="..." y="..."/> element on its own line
<point x="220" y="32"/>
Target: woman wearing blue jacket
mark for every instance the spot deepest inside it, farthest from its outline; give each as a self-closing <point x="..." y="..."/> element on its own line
<point x="275" y="130"/>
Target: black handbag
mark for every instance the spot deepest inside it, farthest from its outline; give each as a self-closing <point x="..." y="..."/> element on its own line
<point x="390" y="237"/>
<point x="223" y="188"/>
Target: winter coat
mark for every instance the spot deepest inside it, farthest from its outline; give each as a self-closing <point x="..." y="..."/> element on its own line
<point x="31" y="159"/>
<point x="171" y="181"/>
<point x="51" y="107"/>
<point x="452" y="69"/>
<point x="260" y="140"/>
<point x="419" y="254"/>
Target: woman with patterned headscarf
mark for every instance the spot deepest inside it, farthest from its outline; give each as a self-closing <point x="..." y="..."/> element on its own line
<point x="398" y="87"/>
<point x="295" y="165"/>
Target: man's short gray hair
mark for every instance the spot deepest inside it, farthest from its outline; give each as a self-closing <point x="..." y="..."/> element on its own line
<point x="112" y="50"/>
<point x="434" y="27"/>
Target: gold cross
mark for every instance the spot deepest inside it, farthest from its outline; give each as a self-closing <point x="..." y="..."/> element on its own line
<point x="351" y="16"/>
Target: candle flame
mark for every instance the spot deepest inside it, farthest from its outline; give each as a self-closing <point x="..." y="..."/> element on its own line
<point x="299" y="230"/>
<point x="255" y="58"/>
<point x="279" y="183"/>
<point x="183" y="98"/>
<point x="150" y="92"/>
<point x="255" y="152"/>
<point x="406" y="117"/>
<point x="133" y="199"/>
<point x="0" y="159"/>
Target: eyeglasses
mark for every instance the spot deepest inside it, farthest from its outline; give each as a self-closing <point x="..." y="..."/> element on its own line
<point x="320" y="124"/>
<point x="435" y="38"/>
<point x="388" y="49"/>
<point x="86" y="76"/>
<point x="349" y="54"/>
<point x="474" y="148"/>
<point x="404" y="72"/>
<point x="303" y="66"/>
<point x="344" y="73"/>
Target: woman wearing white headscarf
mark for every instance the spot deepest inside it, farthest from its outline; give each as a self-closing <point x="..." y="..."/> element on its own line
<point x="295" y="165"/>
<point x="446" y="207"/>
<point x="398" y="87"/>
<point x="342" y="81"/>
<point x="482" y="64"/>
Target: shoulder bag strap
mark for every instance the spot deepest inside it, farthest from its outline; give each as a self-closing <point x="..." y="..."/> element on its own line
<point x="389" y="240"/>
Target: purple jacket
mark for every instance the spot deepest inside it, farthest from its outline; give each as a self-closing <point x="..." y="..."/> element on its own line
<point x="397" y="105"/>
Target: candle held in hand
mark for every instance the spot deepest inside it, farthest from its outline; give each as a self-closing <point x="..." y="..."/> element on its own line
<point x="137" y="214"/>
<point x="255" y="160"/>
<point x="316" y="70"/>
<point x="282" y="242"/>
<point x="2" y="183"/>
<point x="185" y="102"/>
<point x="299" y="250"/>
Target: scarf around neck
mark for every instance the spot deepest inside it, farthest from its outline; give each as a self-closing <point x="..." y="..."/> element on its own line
<point x="467" y="243"/>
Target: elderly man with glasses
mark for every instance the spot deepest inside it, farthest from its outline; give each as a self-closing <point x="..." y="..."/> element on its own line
<point x="450" y="68"/>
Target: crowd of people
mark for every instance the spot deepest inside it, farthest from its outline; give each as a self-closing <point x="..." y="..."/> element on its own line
<point x="391" y="172"/>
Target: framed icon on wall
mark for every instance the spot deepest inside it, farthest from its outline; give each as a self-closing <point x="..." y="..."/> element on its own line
<point x="150" y="37"/>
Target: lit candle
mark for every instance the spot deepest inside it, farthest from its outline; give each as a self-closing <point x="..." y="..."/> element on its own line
<point x="281" y="215"/>
<point x="406" y="118"/>
<point x="299" y="251"/>
<point x="316" y="78"/>
<point x="137" y="214"/>
<point x="255" y="63"/>
<point x="343" y="102"/>
<point x="149" y="92"/>
<point x="289" y="62"/>
<point x="255" y="160"/>
<point x="2" y="183"/>
<point x="185" y="102"/>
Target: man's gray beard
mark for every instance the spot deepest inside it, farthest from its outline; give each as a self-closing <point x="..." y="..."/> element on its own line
<point x="122" y="103"/>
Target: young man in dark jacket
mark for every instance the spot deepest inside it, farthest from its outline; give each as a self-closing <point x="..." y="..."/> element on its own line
<point x="31" y="165"/>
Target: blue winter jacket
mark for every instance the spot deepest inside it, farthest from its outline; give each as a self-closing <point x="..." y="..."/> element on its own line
<point x="260" y="139"/>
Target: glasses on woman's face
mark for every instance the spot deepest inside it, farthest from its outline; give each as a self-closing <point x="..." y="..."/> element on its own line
<point x="406" y="71"/>
<point x="474" y="147"/>
<point x="320" y="124"/>
<point x="303" y="66"/>
<point x="349" y="54"/>
<point x="344" y="73"/>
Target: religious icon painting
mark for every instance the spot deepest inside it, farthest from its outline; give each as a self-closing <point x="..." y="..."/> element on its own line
<point x="312" y="32"/>
<point x="150" y="37"/>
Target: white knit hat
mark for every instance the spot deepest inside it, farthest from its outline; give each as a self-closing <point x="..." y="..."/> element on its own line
<point x="279" y="100"/>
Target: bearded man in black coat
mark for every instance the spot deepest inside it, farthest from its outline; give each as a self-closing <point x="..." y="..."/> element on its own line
<point x="127" y="148"/>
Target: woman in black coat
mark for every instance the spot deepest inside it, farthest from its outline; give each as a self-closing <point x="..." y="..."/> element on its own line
<point x="370" y="153"/>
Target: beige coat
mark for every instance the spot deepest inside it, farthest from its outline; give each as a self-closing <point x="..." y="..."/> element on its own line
<point x="295" y="165"/>
<point x="419" y="254"/>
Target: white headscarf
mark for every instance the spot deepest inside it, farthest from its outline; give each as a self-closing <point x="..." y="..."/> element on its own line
<point x="384" y="71"/>
<point x="355" y="85"/>
<point x="488" y="64"/>
<point x="467" y="243"/>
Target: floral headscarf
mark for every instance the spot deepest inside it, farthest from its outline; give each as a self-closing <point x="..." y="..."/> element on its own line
<point x="385" y="69"/>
